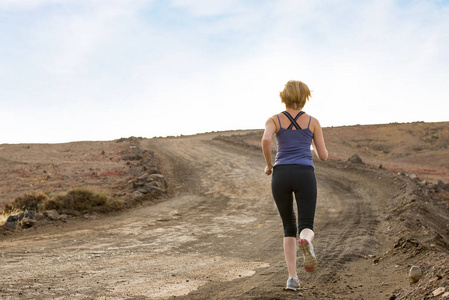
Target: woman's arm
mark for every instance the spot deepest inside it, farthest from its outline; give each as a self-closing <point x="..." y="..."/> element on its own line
<point x="318" y="141"/>
<point x="270" y="129"/>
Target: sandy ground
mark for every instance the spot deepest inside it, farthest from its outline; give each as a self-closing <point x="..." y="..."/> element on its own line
<point x="217" y="235"/>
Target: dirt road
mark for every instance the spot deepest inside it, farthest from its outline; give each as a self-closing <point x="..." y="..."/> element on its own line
<point x="218" y="236"/>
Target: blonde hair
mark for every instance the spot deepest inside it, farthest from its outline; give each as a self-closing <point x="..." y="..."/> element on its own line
<point x="295" y="94"/>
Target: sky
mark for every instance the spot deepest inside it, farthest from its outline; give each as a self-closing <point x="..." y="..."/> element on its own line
<point x="80" y="70"/>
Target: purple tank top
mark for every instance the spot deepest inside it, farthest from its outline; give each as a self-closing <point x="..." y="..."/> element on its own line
<point x="294" y="145"/>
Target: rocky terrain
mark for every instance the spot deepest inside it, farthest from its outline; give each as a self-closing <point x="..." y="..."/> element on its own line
<point x="418" y="149"/>
<point x="128" y="174"/>
<point x="198" y="220"/>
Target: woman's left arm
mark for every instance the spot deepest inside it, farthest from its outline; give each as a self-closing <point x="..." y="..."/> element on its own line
<point x="270" y="130"/>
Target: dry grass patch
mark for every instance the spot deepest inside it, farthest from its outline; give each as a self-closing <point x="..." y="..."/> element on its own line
<point x="75" y="202"/>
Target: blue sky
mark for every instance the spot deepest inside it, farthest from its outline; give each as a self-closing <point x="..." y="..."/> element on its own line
<point x="74" y="70"/>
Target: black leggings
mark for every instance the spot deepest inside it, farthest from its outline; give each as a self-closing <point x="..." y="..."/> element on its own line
<point x="298" y="179"/>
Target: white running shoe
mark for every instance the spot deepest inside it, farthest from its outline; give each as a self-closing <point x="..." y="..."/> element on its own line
<point x="292" y="284"/>
<point x="310" y="262"/>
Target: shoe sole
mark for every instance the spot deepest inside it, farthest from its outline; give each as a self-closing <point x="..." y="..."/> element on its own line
<point x="292" y="289"/>
<point x="310" y="262"/>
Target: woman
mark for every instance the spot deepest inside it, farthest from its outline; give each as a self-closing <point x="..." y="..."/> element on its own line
<point x="293" y="172"/>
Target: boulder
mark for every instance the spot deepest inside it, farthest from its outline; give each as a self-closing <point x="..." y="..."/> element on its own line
<point x="415" y="274"/>
<point x="355" y="159"/>
<point x="143" y="190"/>
<point x="27" y="222"/>
<point x="158" y="181"/>
<point x="10" y="225"/>
<point x="412" y="176"/>
<point x="136" y="195"/>
<point x="52" y="214"/>
<point x="157" y="191"/>
<point x="157" y="177"/>
<point x="441" y="186"/>
<point x="152" y="170"/>
<point x="39" y="217"/>
<point x="143" y="177"/>
<point x="156" y="185"/>
<point x="28" y="213"/>
<point x="138" y="184"/>
<point x="438" y="291"/>
<point x="135" y="153"/>
<point x="13" y="219"/>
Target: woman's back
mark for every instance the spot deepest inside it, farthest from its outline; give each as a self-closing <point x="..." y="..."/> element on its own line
<point x="294" y="140"/>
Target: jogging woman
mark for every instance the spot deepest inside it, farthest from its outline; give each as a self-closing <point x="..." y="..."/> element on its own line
<point x="293" y="173"/>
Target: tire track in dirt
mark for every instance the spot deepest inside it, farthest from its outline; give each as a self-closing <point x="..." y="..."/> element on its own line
<point x="346" y="219"/>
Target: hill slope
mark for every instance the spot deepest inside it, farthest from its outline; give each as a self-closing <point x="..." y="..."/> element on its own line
<point x="218" y="235"/>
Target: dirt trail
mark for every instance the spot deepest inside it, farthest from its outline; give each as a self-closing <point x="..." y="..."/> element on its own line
<point x="218" y="237"/>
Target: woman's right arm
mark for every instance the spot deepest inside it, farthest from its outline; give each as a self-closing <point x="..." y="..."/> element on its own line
<point x="270" y="130"/>
<point x="318" y="141"/>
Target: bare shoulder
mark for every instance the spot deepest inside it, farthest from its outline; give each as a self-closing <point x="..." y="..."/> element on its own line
<point x="314" y="124"/>
<point x="272" y="121"/>
<point x="314" y="120"/>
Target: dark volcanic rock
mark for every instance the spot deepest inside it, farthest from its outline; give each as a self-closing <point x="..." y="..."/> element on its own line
<point x="10" y="225"/>
<point x="355" y="159"/>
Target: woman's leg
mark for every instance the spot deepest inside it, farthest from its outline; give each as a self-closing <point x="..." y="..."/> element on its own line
<point x="283" y="197"/>
<point x="290" y="255"/>
<point x="305" y="194"/>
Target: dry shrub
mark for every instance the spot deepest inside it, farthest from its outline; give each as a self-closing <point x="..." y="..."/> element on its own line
<point x="75" y="202"/>
<point x="31" y="201"/>
<point x="110" y="206"/>
<point x="7" y="211"/>
<point x="80" y="201"/>
<point x="8" y="208"/>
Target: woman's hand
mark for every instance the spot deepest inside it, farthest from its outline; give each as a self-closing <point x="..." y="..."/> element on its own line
<point x="268" y="170"/>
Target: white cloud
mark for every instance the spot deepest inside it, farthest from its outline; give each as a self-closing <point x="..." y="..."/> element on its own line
<point x="72" y="38"/>
<point x="26" y="4"/>
<point x="213" y="65"/>
<point x="205" y="8"/>
<point x="122" y="5"/>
